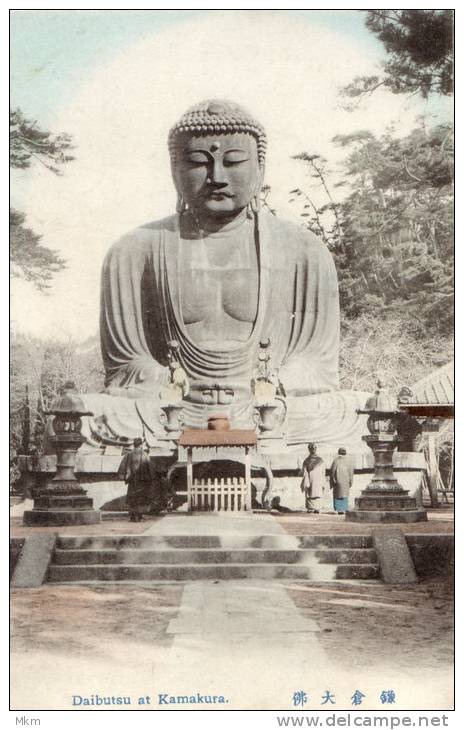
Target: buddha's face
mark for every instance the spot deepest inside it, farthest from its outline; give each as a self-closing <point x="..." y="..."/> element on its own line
<point x="217" y="175"/>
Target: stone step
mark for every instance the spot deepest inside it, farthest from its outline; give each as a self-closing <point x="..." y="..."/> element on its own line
<point x="137" y="556"/>
<point x="226" y="541"/>
<point x="367" y="571"/>
<point x="195" y="571"/>
<point x="346" y="556"/>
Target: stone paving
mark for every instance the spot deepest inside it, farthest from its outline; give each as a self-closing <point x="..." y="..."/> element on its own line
<point x="216" y="523"/>
<point x="253" y="627"/>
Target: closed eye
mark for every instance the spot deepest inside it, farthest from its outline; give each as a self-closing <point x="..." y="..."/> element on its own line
<point x="195" y="160"/>
<point x="231" y="163"/>
<point x="195" y="163"/>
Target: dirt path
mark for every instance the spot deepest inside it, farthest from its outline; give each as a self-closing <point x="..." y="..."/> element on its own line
<point x="115" y="640"/>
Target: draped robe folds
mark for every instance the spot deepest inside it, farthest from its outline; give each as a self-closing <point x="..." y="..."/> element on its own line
<point x="341" y="476"/>
<point x="298" y="310"/>
<point x="313" y="481"/>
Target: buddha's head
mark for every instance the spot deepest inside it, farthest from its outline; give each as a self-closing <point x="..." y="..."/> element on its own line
<point x="217" y="156"/>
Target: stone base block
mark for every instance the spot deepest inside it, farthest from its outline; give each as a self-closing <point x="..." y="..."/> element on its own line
<point x="66" y="503"/>
<point x="385" y="503"/>
<point x="389" y="516"/>
<point x="42" y="517"/>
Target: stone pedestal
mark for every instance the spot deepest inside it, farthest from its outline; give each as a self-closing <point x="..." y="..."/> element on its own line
<point x="58" y="509"/>
<point x="384" y="499"/>
<point x="386" y="514"/>
<point x="63" y="501"/>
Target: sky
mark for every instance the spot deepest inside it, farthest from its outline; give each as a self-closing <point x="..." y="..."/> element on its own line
<point x="51" y="50"/>
<point x="118" y="80"/>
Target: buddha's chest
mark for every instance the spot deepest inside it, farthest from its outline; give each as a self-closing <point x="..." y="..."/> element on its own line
<point x="219" y="282"/>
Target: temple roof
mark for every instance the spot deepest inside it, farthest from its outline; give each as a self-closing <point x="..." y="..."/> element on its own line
<point x="436" y="388"/>
<point x="433" y="396"/>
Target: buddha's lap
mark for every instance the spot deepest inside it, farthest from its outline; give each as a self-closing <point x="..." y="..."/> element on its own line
<point x="330" y="417"/>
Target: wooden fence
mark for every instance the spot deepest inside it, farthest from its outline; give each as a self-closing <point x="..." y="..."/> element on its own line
<point x="219" y="495"/>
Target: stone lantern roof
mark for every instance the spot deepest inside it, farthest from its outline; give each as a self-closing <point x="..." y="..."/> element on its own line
<point x="68" y="401"/>
<point x="381" y="401"/>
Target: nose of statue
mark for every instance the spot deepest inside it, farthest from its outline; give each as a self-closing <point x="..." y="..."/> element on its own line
<point x="217" y="173"/>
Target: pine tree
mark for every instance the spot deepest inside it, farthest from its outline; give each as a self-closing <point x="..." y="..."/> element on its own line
<point x="30" y="259"/>
<point x="392" y="233"/>
<point x="397" y="225"/>
<point x="419" y="47"/>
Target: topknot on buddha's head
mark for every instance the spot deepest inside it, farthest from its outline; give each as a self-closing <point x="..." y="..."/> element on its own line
<point x="217" y="116"/>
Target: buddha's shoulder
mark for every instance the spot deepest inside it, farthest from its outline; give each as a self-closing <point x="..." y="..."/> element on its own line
<point x="296" y="237"/>
<point x="142" y="238"/>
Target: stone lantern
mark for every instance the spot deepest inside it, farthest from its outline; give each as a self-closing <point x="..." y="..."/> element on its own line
<point x="384" y="499"/>
<point x="63" y="500"/>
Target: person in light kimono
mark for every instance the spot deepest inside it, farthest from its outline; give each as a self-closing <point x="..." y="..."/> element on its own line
<point x="312" y="484"/>
<point x="341" y="480"/>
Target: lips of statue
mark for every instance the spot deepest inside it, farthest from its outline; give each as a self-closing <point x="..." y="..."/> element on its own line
<point x="218" y="175"/>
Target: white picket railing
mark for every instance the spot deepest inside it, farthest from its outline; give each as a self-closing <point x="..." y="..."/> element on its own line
<point x="219" y="495"/>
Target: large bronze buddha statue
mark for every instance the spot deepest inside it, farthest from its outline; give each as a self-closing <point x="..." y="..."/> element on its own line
<point x="219" y="278"/>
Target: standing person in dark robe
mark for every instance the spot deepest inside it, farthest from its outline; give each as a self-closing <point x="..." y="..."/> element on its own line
<point x="312" y="484"/>
<point x="135" y="469"/>
<point x="341" y="480"/>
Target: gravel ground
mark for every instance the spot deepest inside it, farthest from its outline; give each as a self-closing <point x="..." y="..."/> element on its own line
<point x="70" y="618"/>
<point x="107" y="527"/>
<point x="405" y="627"/>
<point x="439" y="521"/>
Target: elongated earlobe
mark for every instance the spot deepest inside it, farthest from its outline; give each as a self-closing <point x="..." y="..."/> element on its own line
<point x="255" y="204"/>
<point x="181" y="205"/>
